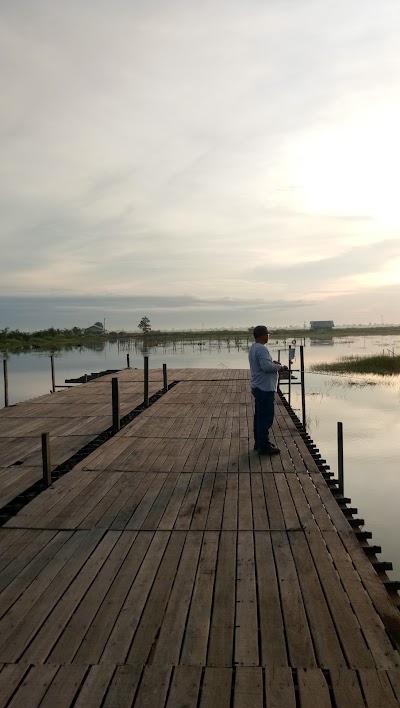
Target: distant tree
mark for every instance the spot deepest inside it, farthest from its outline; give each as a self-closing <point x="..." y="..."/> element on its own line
<point x="144" y="325"/>
<point x="4" y="332"/>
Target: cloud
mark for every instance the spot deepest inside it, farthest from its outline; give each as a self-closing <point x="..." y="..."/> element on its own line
<point x="165" y="148"/>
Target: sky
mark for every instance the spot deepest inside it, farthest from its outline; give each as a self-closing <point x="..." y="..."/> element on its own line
<point x="214" y="163"/>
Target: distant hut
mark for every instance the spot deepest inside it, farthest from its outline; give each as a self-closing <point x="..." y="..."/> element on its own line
<point x="316" y="325"/>
<point x="97" y="328"/>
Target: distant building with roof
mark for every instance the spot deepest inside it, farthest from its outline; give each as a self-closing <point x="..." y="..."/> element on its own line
<point x="97" y="328"/>
<point x="321" y="324"/>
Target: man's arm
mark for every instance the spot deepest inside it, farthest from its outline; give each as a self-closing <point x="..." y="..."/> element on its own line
<point x="266" y="362"/>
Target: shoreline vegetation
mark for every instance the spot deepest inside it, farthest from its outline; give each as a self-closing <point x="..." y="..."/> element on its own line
<point x="54" y="339"/>
<point x="381" y="364"/>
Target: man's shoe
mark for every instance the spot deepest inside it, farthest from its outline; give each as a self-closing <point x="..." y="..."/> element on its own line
<point x="270" y="451"/>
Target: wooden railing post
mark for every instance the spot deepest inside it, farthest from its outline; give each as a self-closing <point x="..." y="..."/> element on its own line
<point x="290" y="376"/>
<point x="165" y="378"/>
<point x="128" y="362"/>
<point x="340" y="457"/>
<point x="146" y="382"/>
<point x="5" y="374"/>
<point x="116" y="416"/>
<point x="53" y="375"/>
<point x="46" y="461"/>
<point x="303" y="390"/>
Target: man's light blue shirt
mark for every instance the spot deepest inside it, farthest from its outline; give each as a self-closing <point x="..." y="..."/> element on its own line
<point x="264" y="373"/>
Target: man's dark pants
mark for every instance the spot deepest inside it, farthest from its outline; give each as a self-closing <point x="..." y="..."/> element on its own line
<point x="263" y="417"/>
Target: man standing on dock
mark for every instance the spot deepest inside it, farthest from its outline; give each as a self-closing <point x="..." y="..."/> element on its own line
<point x="264" y="384"/>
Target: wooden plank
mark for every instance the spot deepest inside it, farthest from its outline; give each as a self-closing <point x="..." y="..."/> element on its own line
<point x="13" y="543"/>
<point x="185" y="515"/>
<point x="76" y="498"/>
<point x="40" y="647"/>
<point x="22" y="633"/>
<point x="120" y="639"/>
<point x="130" y="502"/>
<point x="289" y="512"/>
<point x="203" y="502"/>
<point x="275" y="515"/>
<point x="298" y="636"/>
<point x="248" y="688"/>
<point x="246" y="629"/>
<point x="216" y="689"/>
<point x="326" y="644"/>
<point x="185" y="687"/>
<point x="65" y="488"/>
<point x="74" y="515"/>
<point x="347" y="626"/>
<point x="123" y="687"/>
<point x="95" y="639"/>
<point x="157" y="510"/>
<point x="22" y="606"/>
<point x="346" y="688"/>
<point x="313" y="689"/>
<point x="69" y="640"/>
<point x="194" y="650"/>
<point x="214" y="518"/>
<point x="167" y="648"/>
<point x="95" y="686"/>
<point x="64" y="687"/>
<point x="377" y="689"/>
<point x="372" y="626"/>
<point x="143" y="508"/>
<point x="17" y="480"/>
<point x="394" y="678"/>
<point x="377" y="592"/>
<point x="259" y="508"/>
<point x="150" y="624"/>
<point x="245" y="515"/>
<point x="153" y="687"/>
<point x="23" y="569"/>
<point x="220" y="648"/>
<point x="272" y="630"/>
<point x="279" y="688"/>
<point x="172" y="509"/>
<point x="11" y="677"/>
<point x="229" y="521"/>
<point x="33" y="687"/>
<point x="106" y="506"/>
<point x="303" y="510"/>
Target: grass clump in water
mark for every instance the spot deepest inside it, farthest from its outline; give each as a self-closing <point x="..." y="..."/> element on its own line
<point x="362" y="365"/>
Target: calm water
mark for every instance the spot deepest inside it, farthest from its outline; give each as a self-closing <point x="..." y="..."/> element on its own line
<point x="368" y="406"/>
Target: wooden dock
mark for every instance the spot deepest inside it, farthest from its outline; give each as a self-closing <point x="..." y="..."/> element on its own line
<point x="175" y="567"/>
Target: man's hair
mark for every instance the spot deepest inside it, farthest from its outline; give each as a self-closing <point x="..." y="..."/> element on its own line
<point x="259" y="331"/>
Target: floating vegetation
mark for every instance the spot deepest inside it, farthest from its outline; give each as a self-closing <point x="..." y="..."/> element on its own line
<point x="382" y="365"/>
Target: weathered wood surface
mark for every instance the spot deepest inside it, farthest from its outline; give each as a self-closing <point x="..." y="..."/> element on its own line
<point x="73" y="418"/>
<point x="174" y="567"/>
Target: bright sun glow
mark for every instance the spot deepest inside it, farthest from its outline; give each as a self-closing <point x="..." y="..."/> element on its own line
<point x="351" y="168"/>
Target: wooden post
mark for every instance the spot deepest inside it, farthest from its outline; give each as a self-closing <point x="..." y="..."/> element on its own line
<point x="279" y="355"/>
<point x="46" y="459"/>
<point x="146" y="382"/>
<point x="340" y="456"/>
<point x="5" y="373"/>
<point x="53" y="375"/>
<point x="165" y="378"/>
<point x="116" y="417"/>
<point x="290" y="377"/>
<point x="128" y="363"/>
<point x="303" y="390"/>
